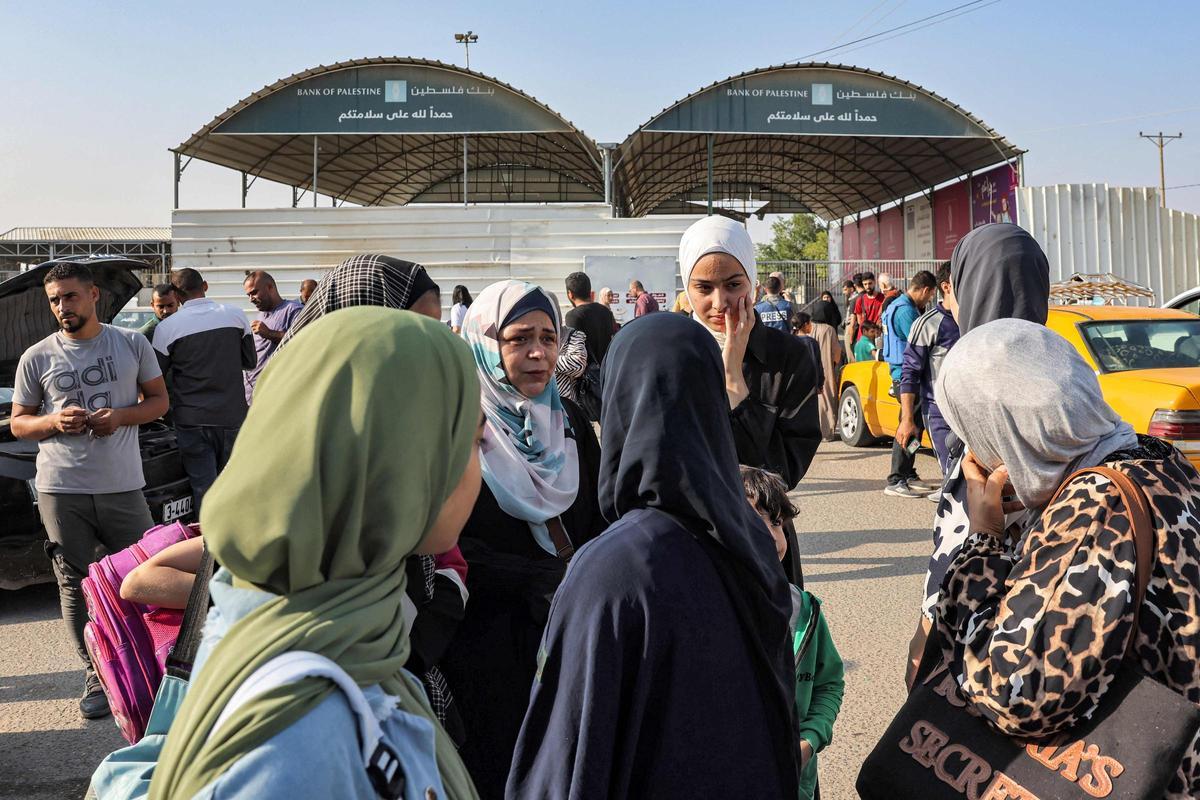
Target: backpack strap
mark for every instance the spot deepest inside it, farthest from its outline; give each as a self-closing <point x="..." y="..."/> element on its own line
<point x="379" y="759"/>
<point x="183" y="652"/>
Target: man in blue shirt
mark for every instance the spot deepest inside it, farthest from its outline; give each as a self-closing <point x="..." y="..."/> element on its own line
<point x="929" y="340"/>
<point x="898" y="321"/>
<point x="773" y="310"/>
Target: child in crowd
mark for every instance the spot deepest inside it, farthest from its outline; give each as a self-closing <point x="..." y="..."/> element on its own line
<point x="864" y="348"/>
<point x="819" y="675"/>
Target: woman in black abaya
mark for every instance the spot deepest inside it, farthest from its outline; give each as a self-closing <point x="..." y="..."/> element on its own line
<point x="665" y="670"/>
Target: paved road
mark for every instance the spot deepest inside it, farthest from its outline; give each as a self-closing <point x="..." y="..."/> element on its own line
<point x="864" y="556"/>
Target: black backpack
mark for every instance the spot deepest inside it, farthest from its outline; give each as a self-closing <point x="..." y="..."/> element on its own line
<point x="588" y="393"/>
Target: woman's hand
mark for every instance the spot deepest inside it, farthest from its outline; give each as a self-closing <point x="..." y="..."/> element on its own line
<point x="986" y="491"/>
<point x="739" y="321"/>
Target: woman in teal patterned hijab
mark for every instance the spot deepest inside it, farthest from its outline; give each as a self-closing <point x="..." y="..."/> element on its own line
<point x="530" y="460"/>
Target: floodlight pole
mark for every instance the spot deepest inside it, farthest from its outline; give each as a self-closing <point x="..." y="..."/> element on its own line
<point x="1161" y="140"/>
<point x="466" y="40"/>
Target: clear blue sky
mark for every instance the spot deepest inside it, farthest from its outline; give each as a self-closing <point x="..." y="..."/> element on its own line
<point x="94" y="94"/>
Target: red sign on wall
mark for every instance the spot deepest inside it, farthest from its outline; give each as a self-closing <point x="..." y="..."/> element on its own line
<point x="850" y="250"/>
<point x="891" y="234"/>
<point x="868" y="237"/>
<point x="951" y="217"/>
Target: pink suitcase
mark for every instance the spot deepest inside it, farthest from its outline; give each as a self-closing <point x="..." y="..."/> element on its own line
<point x="129" y="642"/>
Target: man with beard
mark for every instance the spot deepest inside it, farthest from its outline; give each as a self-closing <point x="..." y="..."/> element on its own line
<point x="275" y="316"/>
<point x="165" y="302"/>
<point x="76" y="395"/>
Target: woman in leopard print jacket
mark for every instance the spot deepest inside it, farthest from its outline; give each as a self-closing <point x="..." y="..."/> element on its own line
<point x="1035" y="627"/>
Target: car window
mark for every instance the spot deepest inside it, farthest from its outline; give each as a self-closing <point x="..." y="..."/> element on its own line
<point x="132" y="319"/>
<point x="1144" y="344"/>
<point x="1192" y="307"/>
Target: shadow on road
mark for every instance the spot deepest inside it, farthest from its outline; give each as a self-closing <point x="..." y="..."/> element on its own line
<point x="879" y="567"/>
<point x="32" y="604"/>
<point x="28" y="762"/>
<point x="820" y="543"/>
<point x="40" y="686"/>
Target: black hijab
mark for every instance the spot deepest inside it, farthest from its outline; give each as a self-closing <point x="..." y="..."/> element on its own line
<point x="667" y="445"/>
<point x="826" y="312"/>
<point x="999" y="271"/>
<point x="364" y="280"/>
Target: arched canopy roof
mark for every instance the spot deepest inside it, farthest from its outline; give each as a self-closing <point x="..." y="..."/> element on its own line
<point x="391" y="130"/>
<point x="823" y="138"/>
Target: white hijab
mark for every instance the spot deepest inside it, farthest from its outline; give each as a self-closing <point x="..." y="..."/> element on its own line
<point x="716" y="234"/>
<point x="1019" y="394"/>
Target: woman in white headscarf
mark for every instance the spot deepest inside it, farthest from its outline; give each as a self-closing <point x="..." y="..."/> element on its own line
<point x="1034" y="616"/>
<point x="540" y="463"/>
<point x="771" y="378"/>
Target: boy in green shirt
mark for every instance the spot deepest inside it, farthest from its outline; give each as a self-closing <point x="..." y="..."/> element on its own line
<point x="864" y="348"/>
<point x="820" y="682"/>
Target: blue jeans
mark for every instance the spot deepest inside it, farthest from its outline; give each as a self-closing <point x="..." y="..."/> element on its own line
<point x="205" y="451"/>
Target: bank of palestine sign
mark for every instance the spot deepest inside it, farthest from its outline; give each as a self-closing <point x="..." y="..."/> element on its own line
<point x="392" y="98"/>
<point x="821" y="102"/>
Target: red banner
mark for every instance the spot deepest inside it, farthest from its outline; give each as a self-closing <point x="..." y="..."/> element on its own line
<point x="891" y="234"/>
<point x="868" y="237"/>
<point x="951" y="217"/>
<point x="850" y="249"/>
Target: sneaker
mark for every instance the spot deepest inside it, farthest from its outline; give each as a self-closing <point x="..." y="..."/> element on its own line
<point x="902" y="489"/>
<point x="94" y="704"/>
<point x="933" y="486"/>
<point x="935" y="497"/>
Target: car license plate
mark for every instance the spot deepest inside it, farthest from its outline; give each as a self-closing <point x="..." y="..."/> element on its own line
<point x="176" y="509"/>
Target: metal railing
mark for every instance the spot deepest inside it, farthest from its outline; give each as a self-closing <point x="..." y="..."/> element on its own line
<point x="808" y="279"/>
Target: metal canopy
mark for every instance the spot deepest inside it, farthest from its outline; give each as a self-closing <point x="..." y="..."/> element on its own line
<point x="390" y="131"/>
<point x="822" y="138"/>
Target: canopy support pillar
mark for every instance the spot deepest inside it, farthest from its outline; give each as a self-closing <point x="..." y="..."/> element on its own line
<point x="314" y="172"/>
<point x="608" y="170"/>
<point x="710" y="174"/>
<point x="295" y="197"/>
<point x="178" y="172"/>
<point x="245" y="189"/>
<point x="464" y="171"/>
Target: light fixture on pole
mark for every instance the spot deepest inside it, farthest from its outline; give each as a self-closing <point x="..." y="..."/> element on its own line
<point x="466" y="40"/>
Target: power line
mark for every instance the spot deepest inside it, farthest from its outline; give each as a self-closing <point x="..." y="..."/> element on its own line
<point x="893" y="30"/>
<point x="923" y="27"/>
<point x="1114" y="119"/>
<point x="1185" y="186"/>
<point x="860" y="20"/>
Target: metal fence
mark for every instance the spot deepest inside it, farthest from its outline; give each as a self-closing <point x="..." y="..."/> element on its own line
<point x="808" y="279"/>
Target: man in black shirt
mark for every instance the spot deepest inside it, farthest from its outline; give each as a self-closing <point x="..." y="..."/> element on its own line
<point x="595" y="320"/>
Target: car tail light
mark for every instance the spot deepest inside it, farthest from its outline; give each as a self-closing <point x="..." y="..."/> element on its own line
<point x="1176" y="426"/>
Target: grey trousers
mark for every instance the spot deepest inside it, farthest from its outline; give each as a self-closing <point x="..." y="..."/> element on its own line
<point x="84" y="528"/>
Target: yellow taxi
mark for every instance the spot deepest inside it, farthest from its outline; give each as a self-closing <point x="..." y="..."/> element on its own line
<point x="1147" y="361"/>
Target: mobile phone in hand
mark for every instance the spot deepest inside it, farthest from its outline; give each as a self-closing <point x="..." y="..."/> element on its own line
<point x="914" y="444"/>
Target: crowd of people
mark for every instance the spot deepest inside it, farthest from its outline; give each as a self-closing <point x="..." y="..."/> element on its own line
<point x="557" y="558"/>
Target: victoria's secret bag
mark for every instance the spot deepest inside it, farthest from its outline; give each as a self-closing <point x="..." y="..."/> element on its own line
<point x="938" y="748"/>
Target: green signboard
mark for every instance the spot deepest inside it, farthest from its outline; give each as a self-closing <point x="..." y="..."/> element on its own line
<point x="392" y="98"/>
<point x="821" y="102"/>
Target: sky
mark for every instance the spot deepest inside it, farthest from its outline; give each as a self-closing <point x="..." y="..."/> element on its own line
<point x="94" y="94"/>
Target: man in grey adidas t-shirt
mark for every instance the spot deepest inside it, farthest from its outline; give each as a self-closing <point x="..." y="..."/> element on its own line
<point x="76" y="394"/>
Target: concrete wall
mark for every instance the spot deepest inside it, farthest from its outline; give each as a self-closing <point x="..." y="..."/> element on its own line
<point x="1096" y="228"/>
<point x="473" y="246"/>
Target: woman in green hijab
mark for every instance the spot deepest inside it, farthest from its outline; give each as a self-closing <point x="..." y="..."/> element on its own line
<point x="327" y="494"/>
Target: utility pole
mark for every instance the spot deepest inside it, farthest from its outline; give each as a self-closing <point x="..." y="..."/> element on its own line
<point x="466" y="40"/>
<point x="1161" y="141"/>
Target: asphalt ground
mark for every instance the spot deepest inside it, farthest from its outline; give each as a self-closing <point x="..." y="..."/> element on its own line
<point x="864" y="556"/>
